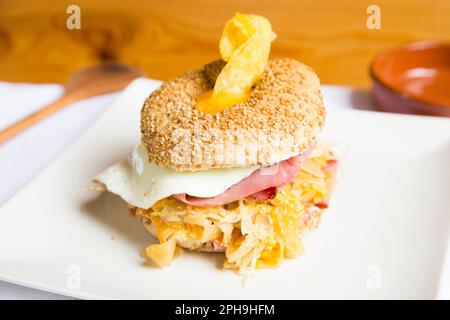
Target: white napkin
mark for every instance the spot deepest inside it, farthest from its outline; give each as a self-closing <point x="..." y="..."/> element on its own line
<point x="25" y="155"/>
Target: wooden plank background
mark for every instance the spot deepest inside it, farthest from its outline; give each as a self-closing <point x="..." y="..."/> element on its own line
<point x="167" y="37"/>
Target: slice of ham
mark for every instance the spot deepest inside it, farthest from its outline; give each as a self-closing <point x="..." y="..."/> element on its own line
<point x="261" y="184"/>
<point x="332" y="165"/>
<point x="265" y="194"/>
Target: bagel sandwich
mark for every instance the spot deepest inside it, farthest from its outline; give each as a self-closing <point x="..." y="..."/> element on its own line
<point x="229" y="160"/>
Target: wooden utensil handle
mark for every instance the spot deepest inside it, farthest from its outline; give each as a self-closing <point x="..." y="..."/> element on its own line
<point x="33" y="118"/>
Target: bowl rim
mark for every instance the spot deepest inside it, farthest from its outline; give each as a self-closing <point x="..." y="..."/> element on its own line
<point x="422" y="44"/>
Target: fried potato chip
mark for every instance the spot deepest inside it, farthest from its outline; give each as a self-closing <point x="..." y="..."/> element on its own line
<point x="245" y="45"/>
<point x="161" y="254"/>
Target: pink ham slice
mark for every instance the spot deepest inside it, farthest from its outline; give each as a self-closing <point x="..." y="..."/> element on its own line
<point x="265" y="194"/>
<point x="261" y="184"/>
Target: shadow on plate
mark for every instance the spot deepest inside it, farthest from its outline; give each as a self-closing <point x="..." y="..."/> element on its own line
<point x="361" y="99"/>
<point x="112" y="212"/>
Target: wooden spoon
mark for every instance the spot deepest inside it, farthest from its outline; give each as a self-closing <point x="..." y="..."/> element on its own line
<point x="89" y="82"/>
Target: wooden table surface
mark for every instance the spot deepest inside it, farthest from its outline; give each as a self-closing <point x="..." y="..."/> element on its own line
<point x="167" y="37"/>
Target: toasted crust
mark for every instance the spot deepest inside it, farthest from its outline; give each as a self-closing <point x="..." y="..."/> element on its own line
<point x="281" y="119"/>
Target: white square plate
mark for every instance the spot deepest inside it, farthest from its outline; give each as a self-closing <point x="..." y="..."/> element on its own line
<point x="385" y="235"/>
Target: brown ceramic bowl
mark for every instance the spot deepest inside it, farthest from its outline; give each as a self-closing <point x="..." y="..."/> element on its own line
<point x="414" y="78"/>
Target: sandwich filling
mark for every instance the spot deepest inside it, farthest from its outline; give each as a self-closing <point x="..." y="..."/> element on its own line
<point x="256" y="221"/>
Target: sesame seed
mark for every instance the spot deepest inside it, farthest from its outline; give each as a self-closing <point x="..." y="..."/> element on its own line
<point x="286" y="102"/>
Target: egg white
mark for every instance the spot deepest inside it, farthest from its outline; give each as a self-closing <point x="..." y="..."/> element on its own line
<point x="142" y="183"/>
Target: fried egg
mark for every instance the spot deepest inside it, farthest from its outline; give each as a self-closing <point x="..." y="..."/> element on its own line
<point x="142" y="183"/>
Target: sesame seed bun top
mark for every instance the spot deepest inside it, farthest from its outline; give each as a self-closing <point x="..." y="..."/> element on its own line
<point x="281" y="119"/>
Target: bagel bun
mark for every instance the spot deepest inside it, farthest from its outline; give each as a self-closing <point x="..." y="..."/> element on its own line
<point x="281" y="119"/>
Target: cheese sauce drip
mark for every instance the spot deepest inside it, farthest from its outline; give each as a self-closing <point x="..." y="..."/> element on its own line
<point x="245" y="45"/>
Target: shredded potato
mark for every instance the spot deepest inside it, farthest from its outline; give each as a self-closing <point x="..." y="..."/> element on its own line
<point x="162" y="254"/>
<point x="255" y="233"/>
